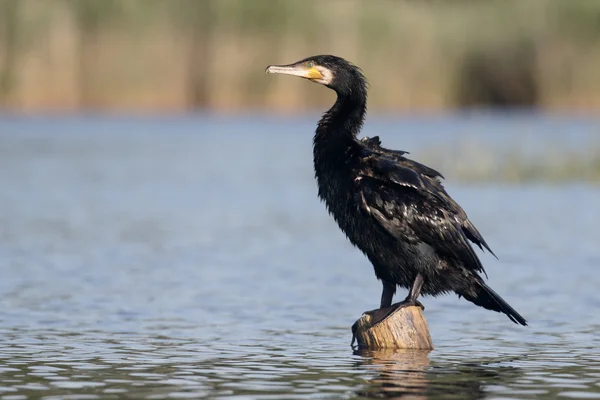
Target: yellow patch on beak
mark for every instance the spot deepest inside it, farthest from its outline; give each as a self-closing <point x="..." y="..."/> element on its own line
<point x="314" y="73"/>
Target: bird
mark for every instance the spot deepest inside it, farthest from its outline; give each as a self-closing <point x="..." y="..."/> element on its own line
<point x="394" y="209"/>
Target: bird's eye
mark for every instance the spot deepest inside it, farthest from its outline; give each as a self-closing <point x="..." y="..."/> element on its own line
<point x="310" y="64"/>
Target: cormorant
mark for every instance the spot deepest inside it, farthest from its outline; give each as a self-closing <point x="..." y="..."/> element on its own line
<point x="395" y="210"/>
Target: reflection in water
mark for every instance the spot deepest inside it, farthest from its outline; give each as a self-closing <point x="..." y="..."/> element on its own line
<point x="399" y="373"/>
<point x="112" y="365"/>
<point x="410" y="373"/>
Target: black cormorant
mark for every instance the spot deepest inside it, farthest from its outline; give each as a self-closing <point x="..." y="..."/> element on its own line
<point x="395" y="210"/>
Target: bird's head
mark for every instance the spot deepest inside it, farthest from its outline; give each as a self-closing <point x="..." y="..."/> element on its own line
<point x="331" y="71"/>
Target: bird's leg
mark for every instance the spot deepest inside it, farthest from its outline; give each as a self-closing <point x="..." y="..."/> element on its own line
<point x="411" y="300"/>
<point x="414" y="293"/>
<point x="389" y="288"/>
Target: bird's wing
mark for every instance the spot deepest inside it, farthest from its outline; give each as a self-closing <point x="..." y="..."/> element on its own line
<point x="411" y="207"/>
<point x="429" y="179"/>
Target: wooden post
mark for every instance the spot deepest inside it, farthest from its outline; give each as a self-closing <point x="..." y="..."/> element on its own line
<point x="404" y="328"/>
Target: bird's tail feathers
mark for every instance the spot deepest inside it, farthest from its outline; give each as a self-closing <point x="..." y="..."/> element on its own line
<point x="491" y="300"/>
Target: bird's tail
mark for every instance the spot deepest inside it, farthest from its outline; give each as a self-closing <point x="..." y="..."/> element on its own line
<point x="488" y="299"/>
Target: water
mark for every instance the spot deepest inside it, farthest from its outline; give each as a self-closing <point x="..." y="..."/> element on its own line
<point x="188" y="257"/>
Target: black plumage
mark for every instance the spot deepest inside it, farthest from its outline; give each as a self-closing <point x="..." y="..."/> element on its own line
<point x="395" y="210"/>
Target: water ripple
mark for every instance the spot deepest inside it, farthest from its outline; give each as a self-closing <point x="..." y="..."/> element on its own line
<point x="142" y="266"/>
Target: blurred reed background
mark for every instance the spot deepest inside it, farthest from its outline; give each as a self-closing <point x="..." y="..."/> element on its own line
<point x="427" y="56"/>
<point x="210" y="54"/>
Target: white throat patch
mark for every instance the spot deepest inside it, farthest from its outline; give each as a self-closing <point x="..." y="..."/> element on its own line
<point x="327" y="76"/>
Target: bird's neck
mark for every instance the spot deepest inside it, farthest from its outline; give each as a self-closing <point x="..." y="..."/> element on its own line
<point x="339" y="126"/>
<point x="334" y="145"/>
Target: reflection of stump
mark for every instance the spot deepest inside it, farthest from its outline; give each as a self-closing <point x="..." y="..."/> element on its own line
<point x="400" y="373"/>
<point x="405" y="328"/>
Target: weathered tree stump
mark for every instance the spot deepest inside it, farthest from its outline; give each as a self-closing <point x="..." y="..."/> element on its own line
<point x="404" y="328"/>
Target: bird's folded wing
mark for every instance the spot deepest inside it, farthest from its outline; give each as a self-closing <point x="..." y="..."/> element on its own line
<point x="408" y="208"/>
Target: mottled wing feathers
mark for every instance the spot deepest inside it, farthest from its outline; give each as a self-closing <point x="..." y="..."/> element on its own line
<point x="410" y="203"/>
<point x="380" y="167"/>
<point x="444" y="234"/>
<point x="416" y="218"/>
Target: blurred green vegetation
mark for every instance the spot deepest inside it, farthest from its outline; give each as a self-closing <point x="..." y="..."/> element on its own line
<point x="468" y="160"/>
<point x="189" y="54"/>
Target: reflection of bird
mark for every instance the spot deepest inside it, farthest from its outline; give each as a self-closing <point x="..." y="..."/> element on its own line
<point x="392" y="208"/>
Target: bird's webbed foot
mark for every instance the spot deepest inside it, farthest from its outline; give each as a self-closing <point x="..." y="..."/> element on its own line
<point x="380" y="314"/>
<point x="408" y="303"/>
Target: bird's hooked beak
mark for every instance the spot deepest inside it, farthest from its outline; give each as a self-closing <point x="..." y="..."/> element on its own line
<point x="301" y="70"/>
